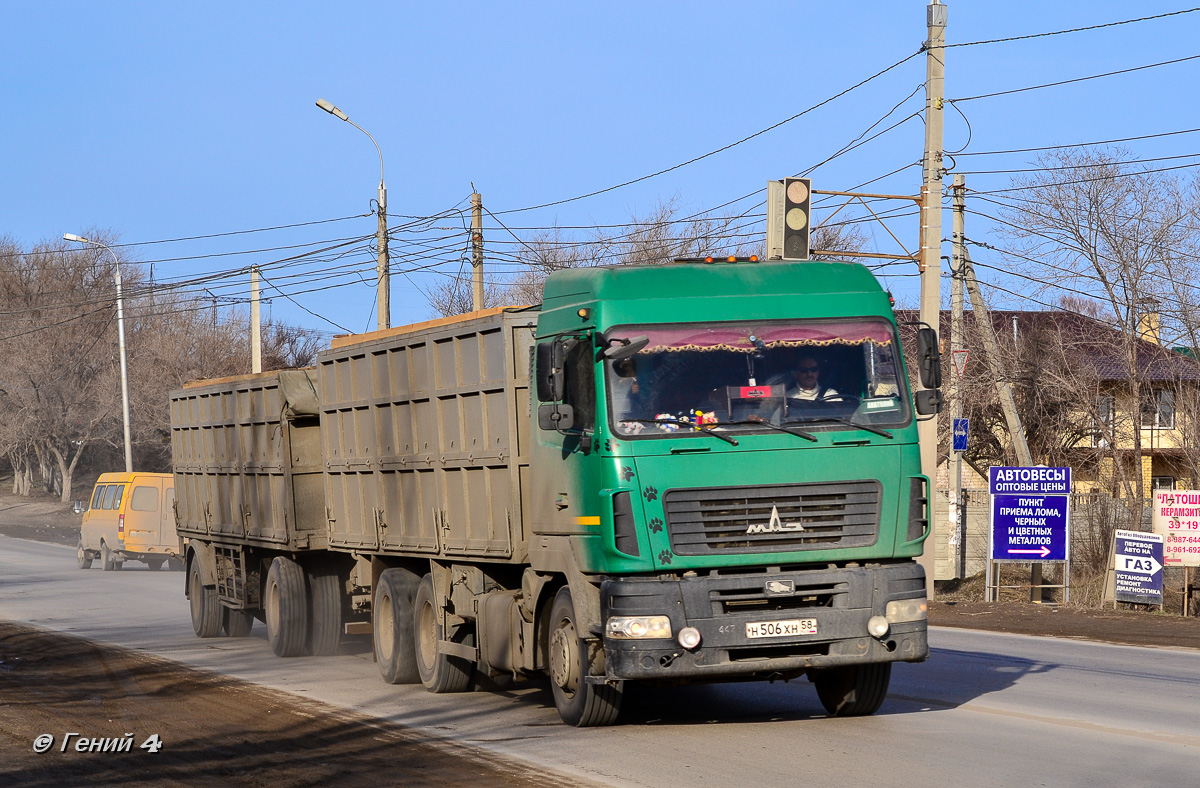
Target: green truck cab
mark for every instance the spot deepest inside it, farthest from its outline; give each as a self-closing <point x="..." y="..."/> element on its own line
<point x="736" y="520"/>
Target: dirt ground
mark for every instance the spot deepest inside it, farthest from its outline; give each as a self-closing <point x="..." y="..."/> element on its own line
<point x="214" y="730"/>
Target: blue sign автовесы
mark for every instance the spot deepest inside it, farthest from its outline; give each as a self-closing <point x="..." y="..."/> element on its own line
<point x="1030" y="512"/>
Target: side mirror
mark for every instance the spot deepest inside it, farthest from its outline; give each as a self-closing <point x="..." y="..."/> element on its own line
<point x="549" y="370"/>
<point x="929" y="402"/>
<point x="78" y="507"/>
<point x="929" y="358"/>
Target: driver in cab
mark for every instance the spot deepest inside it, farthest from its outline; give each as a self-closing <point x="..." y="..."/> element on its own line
<point x="806" y="382"/>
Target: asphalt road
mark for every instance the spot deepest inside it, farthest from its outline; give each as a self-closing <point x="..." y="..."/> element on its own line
<point x="986" y="710"/>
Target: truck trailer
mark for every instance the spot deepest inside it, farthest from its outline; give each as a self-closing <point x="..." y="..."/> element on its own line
<point x="702" y="471"/>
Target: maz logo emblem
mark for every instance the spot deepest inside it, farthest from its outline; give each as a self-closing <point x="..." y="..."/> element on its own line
<point x="775" y="526"/>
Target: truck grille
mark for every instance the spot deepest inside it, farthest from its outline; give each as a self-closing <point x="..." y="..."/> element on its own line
<point x="773" y="519"/>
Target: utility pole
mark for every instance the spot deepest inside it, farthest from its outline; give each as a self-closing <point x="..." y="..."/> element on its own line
<point x="255" y="323"/>
<point x="1003" y="390"/>
<point x="930" y="263"/>
<point x="383" y="265"/>
<point x="958" y="513"/>
<point x="476" y="251"/>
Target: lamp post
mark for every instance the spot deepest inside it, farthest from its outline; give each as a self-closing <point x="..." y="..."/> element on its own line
<point x="120" y="344"/>
<point x="382" y="267"/>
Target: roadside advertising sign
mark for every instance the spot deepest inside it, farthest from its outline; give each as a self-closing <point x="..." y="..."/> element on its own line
<point x="1177" y="518"/>
<point x="1030" y="514"/>
<point x="1138" y="566"/>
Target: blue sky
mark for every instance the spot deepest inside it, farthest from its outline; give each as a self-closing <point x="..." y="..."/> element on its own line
<point x="157" y="121"/>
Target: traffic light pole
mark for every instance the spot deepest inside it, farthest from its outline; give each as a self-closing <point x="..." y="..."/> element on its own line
<point x="930" y="262"/>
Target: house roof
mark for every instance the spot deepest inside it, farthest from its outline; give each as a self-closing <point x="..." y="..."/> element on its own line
<point x="1091" y="342"/>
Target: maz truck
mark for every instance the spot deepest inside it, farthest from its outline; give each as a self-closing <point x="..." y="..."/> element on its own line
<point x="635" y="481"/>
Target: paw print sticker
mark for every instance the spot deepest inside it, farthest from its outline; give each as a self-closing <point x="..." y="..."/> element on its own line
<point x="626" y="472"/>
<point x="651" y="493"/>
<point x="664" y="557"/>
<point x="656" y="525"/>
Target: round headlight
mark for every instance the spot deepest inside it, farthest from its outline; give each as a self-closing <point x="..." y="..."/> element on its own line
<point x="877" y="626"/>
<point x="689" y="637"/>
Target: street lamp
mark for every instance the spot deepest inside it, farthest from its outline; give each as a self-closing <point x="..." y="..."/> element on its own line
<point x="382" y="267"/>
<point x="120" y="343"/>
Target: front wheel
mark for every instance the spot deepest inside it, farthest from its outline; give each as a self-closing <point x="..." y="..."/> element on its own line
<point x="579" y="702"/>
<point x="83" y="557"/>
<point x="439" y="672"/>
<point x="855" y="691"/>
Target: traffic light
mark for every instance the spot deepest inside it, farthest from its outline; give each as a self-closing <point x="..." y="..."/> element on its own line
<point x="797" y="206"/>
<point x="789" y="205"/>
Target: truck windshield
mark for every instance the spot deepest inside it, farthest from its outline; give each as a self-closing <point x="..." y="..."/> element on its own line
<point x="824" y="374"/>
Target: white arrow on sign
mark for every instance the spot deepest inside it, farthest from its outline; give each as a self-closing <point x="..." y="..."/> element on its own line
<point x="1138" y="564"/>
<point x="1043" y="551"/>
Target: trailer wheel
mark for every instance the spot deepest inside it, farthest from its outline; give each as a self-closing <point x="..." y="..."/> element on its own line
<point x="108" y="559"/>
<point x="854" y="691"/>
<point x="579" y="702"/>
<point x="392" y="619"/>
<point x="325" y="588"/>
<point x="286" y="603"/>
<point x="83" y="557"/>
<point x="206" y="610"/>
<point x="154" y="563"/>
<point x="236" y="623"/>
<point x="439" y="672"/>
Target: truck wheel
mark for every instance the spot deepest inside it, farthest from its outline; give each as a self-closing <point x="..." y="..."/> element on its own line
<point x="83" y="556"/>
<point x="439" y="672"/>
<point x="325" y="588"/>
<point x="206" y="609"/>
<point x="108" y="559"/>
<point x="286" y="603"/>
<point x="854" y="691"/>
<point x="579" y="703"/>
<point x="154" y="563"/>
<point x="392" y="618"/>
<point x="236" y="623"/>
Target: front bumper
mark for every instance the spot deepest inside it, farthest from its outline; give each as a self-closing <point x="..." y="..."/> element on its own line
<point x="721" y="604"/>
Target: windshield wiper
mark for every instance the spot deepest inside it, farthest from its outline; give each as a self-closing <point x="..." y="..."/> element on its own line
<point x="725" y="438"/>
<point x="798" y="433"/>
<point x="842" y="420"/>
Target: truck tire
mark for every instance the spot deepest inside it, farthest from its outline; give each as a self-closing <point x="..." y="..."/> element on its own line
<point x="286" y="604"/>
<point x="83" y="557"/>
<point x="154" y="563"/>
<point x="392" y="620"/>
<point x="205" y="608"/>
<point x="579" y="702"/>
<point x="855" y="691"/>
<point x="325" y="590"/>
<point x="439" y="672"/>
<point x="236" y="623"/>
<point x="108" y="559"/>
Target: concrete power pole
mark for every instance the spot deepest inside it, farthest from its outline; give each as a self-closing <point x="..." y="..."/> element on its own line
<point x="383" y="265"/>
<point x="255" y="323"/>
<point x="930" y="263"/>
<point x="958" y="518"/>
<point x="476" y="251"/>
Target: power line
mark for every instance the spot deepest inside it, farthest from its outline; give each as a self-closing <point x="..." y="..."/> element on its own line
<point x="1078" y="144"/>
<point x="722" y="149"/>
<point x="1072" y="30"/>
<point x="1077" y="79"/>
